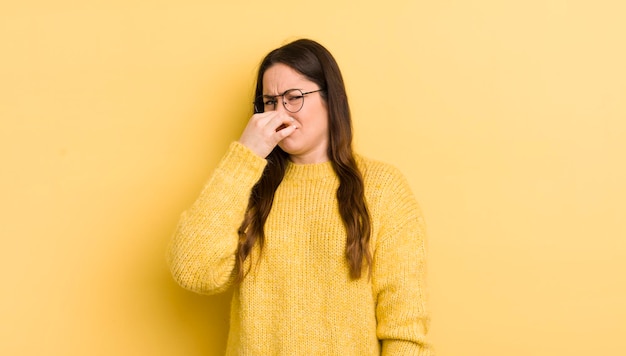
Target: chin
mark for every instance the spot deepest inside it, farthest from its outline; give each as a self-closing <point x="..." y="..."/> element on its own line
<point x="288" y="147"/>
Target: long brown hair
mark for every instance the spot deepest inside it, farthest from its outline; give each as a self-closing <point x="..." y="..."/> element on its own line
<point x="312" y="60"/>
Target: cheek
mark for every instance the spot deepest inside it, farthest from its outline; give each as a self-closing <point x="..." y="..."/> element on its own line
<point x="313" y="120"/>
<point x="314" y="125"/>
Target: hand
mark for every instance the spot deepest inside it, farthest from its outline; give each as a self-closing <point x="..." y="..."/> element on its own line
<point x="265" y="130"/>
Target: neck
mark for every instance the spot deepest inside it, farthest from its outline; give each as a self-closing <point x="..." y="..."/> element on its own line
<point x="310" y="158"/>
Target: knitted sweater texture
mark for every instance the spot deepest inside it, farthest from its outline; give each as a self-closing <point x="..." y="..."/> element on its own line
<point x="298" y="297"/>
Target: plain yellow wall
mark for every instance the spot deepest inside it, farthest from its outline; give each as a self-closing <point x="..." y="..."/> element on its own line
<point x="508" y="118"/>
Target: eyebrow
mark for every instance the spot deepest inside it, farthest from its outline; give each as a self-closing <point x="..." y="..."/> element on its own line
<point x="283" y="93"/>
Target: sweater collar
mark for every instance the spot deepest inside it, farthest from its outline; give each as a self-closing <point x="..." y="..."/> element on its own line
<point x="309" y="171"/>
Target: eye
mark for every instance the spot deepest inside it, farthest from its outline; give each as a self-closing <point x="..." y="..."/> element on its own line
<point x="269" y="101"/>
<point x="293" y="97"/>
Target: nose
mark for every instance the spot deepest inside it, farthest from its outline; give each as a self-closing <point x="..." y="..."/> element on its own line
<point x="280" y="104"/>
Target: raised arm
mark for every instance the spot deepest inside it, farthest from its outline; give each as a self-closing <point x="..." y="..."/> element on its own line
<point x="202" y="252"/>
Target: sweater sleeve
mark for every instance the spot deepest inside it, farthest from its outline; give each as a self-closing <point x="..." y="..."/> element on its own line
<point x="398" y="274"/>
<point x="201" y="254"/>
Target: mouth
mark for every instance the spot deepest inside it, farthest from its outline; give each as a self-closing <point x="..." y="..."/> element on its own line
<point x="281" y="127"/>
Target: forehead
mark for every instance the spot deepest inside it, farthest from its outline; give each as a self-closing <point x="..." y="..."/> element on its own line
<point x="280" y="77"/>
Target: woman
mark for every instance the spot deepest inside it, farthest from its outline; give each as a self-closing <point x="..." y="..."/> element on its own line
<point x="325" y="248"/>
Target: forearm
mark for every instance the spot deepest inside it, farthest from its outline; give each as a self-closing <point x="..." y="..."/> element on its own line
<point x="403" y="318"/>
<point x="202" y="251"/>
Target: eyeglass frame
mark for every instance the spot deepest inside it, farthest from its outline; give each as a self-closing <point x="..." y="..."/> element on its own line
<point x="283" y="101"/>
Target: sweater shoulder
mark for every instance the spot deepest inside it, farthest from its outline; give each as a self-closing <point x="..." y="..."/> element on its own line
<point x="378" y="173"/>
<point x="387" y="190"/>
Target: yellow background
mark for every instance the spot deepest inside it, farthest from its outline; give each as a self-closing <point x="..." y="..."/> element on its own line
<point x="508" y="118"/>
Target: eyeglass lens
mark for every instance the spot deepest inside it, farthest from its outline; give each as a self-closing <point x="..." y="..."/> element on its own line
<point x="292" y="100"/>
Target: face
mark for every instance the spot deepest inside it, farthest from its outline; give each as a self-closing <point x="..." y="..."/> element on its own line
<point x="309" y="143"/>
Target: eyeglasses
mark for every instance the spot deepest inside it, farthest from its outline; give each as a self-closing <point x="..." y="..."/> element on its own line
<point x="293" y="101"/>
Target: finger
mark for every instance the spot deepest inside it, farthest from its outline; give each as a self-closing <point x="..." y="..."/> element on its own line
<point x="279" y="122"/>
<point x="285" y="132"/>
<point x="263" y="118"/>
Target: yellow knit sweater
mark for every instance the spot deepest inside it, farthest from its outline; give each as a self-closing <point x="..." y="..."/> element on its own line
<point x="299" y="299"/>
